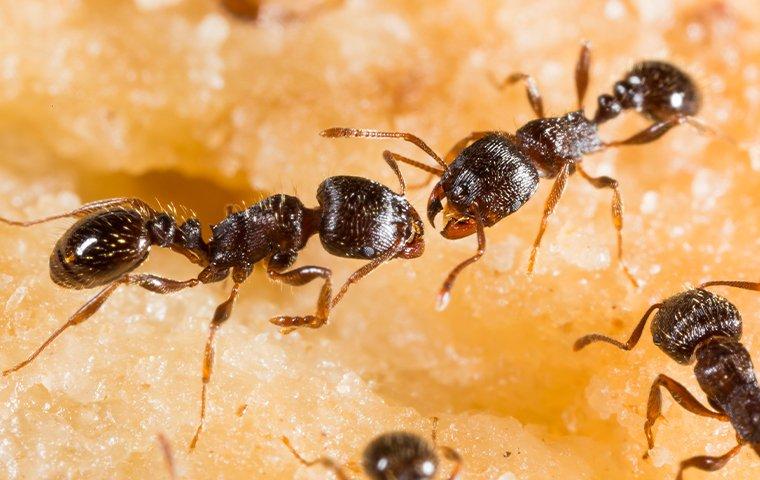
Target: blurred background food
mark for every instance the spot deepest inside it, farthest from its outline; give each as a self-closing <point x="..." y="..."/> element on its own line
<point x="181" y="101"/>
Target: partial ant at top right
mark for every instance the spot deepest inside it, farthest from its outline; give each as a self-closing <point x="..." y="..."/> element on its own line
<point x="488" y="175"/>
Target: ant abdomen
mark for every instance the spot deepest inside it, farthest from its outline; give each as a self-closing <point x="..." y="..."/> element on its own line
<point x="100" y="248"/>
<point x="364" y="219"/>
<point x="658" y="90"/>
<point x="399" y="456"/>
<point x="685" y="320"/>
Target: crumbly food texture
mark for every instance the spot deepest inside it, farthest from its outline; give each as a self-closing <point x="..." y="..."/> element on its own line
<point x="177" y="101"/>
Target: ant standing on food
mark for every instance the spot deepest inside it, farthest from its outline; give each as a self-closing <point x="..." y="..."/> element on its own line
<point x="356" y="218"/>
<point x="698" y="324"/>
<point x="394" y="456"/>
<point x="489" y="175"/>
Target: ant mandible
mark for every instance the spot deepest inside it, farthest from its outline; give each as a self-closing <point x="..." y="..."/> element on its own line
<point x="489" y="175"/>
<point x="356" y="218"/>
<point x="394" y="456"/>
<point x="698" y="324"/>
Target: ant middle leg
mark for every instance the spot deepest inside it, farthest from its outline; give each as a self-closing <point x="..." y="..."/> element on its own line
<point x="87" y="209"/>
<point x="708" y="464"/>
<point x="221" y="314"/>
<point x="531" y="90"/>
<point x="682" y="396"/>
<point x="326" y="462"/>
<point x="149" y="282"/>
<point x="297" y="277"/>
<point x="551" y="204"/>
<point x="628" y="345"/>
<point x="581" y="73"/>
<point x="617" y="214"/>
<point x="444" y="294"/>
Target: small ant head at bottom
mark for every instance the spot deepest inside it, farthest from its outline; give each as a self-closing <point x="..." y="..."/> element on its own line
<point x="399" y="456"/>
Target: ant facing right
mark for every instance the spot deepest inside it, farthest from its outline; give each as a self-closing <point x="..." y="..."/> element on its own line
<point x="698" y="324"/>
<point x="489" y="175"/>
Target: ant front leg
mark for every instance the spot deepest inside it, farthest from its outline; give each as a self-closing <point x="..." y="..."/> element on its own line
<point x="551" y="204"/>
<point x="326" y="462"/>
<point x="87" y="209"/>
<point x="392" y="160"/>
<point x="297" y="277"/>
<point x="149" y="282"/>
<point x="531" y="90"/>
<point x="708" y="464"/>
<point x="221" y="314"/>
<point x="682" y="396"/>
<point x="617" y="214"/>
<point x="581" y="73"/>
<point x="444" y="294"/>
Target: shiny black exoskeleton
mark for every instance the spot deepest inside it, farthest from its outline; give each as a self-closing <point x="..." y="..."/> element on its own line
<point x="487" y="176"/>
<point x="356" y="218"/>
<point x="393" y="456"/>
<point x="700" y="325"/>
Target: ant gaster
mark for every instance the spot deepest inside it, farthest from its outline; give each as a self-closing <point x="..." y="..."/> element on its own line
<point x="356" y="218"/>
<point x="487" y="176"/>
<point x="394" y="456"/>
<point x="698" y="324"/>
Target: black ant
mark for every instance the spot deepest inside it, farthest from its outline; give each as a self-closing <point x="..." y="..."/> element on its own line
<point x="487" y="176"/>
<point x="356" y="218"/>
<point x="698" y="324"/>
<point x="394" y="456"/>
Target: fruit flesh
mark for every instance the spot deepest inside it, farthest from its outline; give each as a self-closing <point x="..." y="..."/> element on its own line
<point x="178" y="101"/>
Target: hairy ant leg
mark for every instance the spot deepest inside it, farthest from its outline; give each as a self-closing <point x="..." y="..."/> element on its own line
<point x="709" y="464"/>
<point x="149" y="282"/>
<point x="682" y="396"/>
<point x="617" y="214"/>
<point x="531" y="90"/>
<point x="326" y="462"/>
<point x="582" y="73"/>
<point x="551" y="204"/>
<point x="629" y="344"/>
<point x="221" y="314"/>
<point x="444" y="294"/>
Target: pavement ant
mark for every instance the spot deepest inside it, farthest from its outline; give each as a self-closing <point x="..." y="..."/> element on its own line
<point x="698" y="324"/>
<point x="489" y="175"/>
<point x="356" y="218"/>
<point x="394" y="456"/>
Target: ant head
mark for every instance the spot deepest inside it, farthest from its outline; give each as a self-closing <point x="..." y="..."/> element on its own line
<point x="100" y="248"/>
<point x="687" y="319"/>
<point x="659" y="90"/>
<point x="399" y="456"/>
<point x="491" y="176"/>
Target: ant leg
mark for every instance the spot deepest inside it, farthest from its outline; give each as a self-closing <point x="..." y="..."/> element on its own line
<point x="708" y="464"/>
<point x="222" y="314"/>
<point x="444" y="294"/>
<point x="365" y="270"/>
<point x="448" y="452"/>
<point x="87" y="209"/>
<point x="392" y="160"/>
<point x="617" y="214"/>
<point x="531" y="89"/>
<point x="297" y="277"/>
<point x="628" y="345"/>
<point x="367" y="133"/>
<point x="581" y="73"/>
<point x="649" y="134"/>
<point x="681" y="395"/>
<point x="551" y="204"/>
<point x="149" y="282"/>
<point x="733" y="283"/>
<point x="166" y="451"/>
<point x="324" y="461"/>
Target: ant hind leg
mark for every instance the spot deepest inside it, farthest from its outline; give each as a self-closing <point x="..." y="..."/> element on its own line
<point x="708" y="464"/>
<point x="326" y="462"/>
